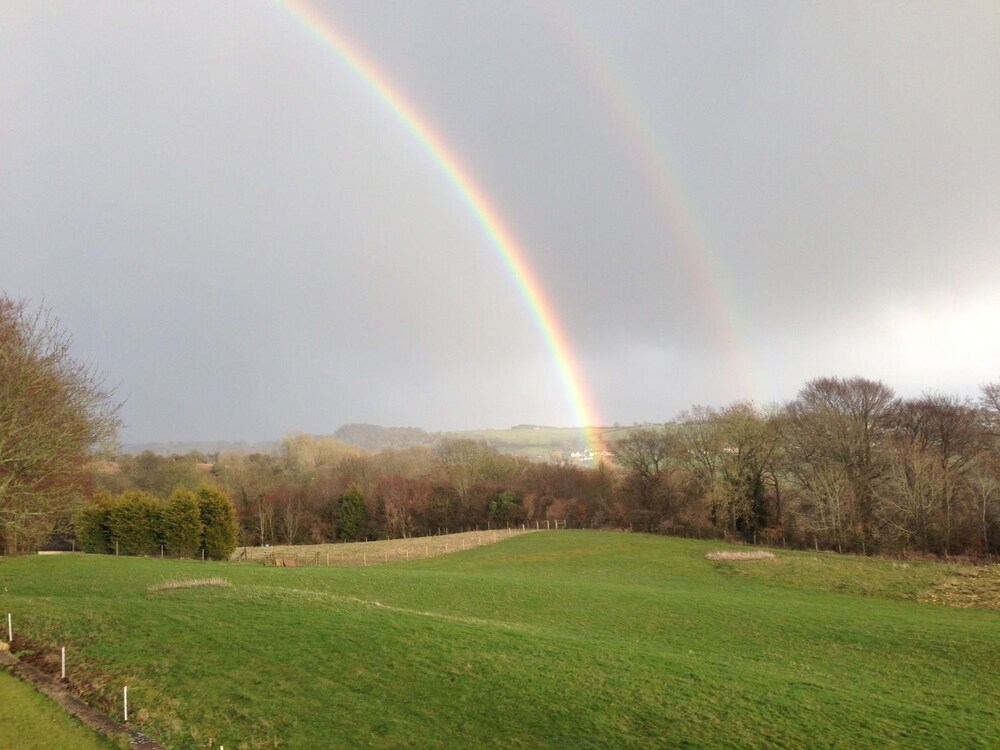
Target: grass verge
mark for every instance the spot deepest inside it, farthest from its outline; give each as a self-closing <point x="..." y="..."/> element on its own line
<point x="32" y="722"/>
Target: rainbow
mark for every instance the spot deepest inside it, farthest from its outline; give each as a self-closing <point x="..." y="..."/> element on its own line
<point x="690" y="236"/>
<point x="499" y="234"/>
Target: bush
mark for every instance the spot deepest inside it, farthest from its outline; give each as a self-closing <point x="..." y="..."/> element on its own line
<point x="91" y="527"/>
<point x="134" y="522"/>
<point x="218" y="518"/>
<point x="182" y="524"/>
<point x="353" y="515"/>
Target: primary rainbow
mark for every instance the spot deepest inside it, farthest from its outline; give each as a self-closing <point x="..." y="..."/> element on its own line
<point x="500" y="236"/>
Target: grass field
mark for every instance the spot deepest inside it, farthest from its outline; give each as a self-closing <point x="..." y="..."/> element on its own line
<point x="552" y="639"/>
<point x="540" y="442"/>
<point x="530" y="442"/>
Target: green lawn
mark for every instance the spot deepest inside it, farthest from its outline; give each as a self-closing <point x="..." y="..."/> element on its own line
<point x="554" y="639"/>
<point x="31" y="721"/>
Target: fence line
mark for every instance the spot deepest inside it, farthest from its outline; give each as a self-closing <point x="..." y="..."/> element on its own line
<point x="360" y="554"/>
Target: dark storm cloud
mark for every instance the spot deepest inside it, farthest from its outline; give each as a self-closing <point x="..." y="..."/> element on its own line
<point x="245" y="238"/>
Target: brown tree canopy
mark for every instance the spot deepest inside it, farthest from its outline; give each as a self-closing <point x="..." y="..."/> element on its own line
<point x="53" y="413"/>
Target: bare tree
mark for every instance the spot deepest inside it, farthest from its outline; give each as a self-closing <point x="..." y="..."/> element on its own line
<point x="646" y="454"/>
<point x="989" y="401"/>
<point x="466" y="463"/>
<point x="53" y="413"/>
<point x="935" y="441"/>
<point x="836" y="429"/>
<point x="731" y="454"/>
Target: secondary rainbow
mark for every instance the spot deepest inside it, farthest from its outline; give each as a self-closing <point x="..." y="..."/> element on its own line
<point x="499" y="234"/>
<point x="678" y="211"/>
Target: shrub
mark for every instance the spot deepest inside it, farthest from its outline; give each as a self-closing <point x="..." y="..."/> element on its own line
<point x="353" y="515"/>
<point x="134" y="521"/>
<point x="91" y="527"/>
<point x="182" y="524"/>
<point x="218" y="518"/>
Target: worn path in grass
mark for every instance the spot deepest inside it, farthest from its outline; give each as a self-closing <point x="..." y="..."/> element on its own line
<point x="574" y="639"/>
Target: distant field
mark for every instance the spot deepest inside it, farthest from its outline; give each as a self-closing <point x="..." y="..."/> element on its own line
<point x="539" y="442"/>
<point x="551" y="639"/>
<point x="530" y="442"/>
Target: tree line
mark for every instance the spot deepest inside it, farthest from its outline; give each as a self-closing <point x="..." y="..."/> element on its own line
<point x="845" y="465"/>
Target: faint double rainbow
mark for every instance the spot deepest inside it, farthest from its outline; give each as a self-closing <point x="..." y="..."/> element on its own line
<point x="690" y="238"/>
<point x="499" y="234"/>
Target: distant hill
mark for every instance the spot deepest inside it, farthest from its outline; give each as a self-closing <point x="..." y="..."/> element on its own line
<point x="372" y="437"/>
<point x="181" y="448"/>
<point x="531" y="441"/>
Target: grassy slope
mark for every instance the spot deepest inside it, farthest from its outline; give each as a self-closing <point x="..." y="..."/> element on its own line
<point x="32" y="722"/>
<point x="576" y="639"/>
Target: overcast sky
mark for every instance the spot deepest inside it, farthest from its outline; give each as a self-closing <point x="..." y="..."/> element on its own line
<point x="721" y="201"/>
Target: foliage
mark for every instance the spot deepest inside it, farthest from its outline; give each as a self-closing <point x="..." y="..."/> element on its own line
<point x="91" y="528"/>
<point x="182" y="523"/>
<point x="353" y="515"/>
<point x="53" y="413"/>
<point x="137" y="523"/>
<point x="506" y="507"/>
<point x="218" y="521"/>
<point x="134" y="522"/>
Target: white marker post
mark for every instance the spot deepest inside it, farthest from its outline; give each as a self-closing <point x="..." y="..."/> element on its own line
<point x="10" y="629"/>
<point x="64" y="662"/>
<point x="126" y="702"/>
